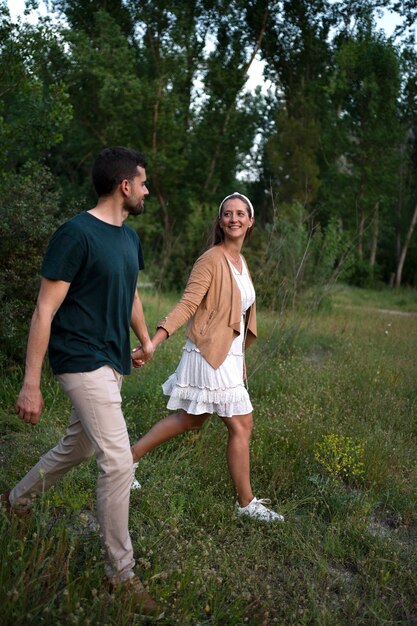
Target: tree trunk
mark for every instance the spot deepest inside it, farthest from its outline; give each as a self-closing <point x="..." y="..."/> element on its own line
<point x="375" y="234"/>
<point x="167" y="236"/>
<point x="409" y="136"/>
<point x="404" y="249"/>
<point x="361" y="230"/>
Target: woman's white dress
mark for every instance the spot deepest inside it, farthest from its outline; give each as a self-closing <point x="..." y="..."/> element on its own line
<point x="196" y="387"/>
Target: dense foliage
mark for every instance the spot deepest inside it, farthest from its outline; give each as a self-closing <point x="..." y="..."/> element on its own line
<point x="328" y="153"/>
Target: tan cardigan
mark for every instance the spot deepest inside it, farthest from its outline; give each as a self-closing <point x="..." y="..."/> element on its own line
<point x="212" y="304"/>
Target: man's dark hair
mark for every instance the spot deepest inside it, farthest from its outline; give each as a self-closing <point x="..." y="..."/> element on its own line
<point x="112" y="166"/>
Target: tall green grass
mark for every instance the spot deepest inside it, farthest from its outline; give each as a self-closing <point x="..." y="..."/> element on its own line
<point x="330" y="391"/>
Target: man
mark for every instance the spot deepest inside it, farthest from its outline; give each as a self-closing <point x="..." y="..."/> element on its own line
<point x="86" y="305"/>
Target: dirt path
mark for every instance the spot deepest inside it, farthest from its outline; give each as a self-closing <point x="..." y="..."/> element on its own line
<point x="376" y="310"/>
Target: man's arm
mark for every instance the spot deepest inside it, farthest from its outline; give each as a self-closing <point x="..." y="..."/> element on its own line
<point x="140" y="329"/>
<point x="29" y="403"/>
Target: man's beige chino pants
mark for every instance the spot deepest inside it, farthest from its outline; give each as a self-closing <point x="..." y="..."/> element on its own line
<point x="97" y="427"/>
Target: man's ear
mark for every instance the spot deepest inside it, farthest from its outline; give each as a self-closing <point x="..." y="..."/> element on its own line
<point x="124" y="187"/>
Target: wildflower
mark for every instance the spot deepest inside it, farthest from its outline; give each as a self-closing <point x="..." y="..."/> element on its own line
<point x="340" y="456"/>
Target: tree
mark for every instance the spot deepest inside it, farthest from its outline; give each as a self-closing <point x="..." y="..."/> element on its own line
<point x="33" y="117"/>
<point x="365" y="90"/>
<point x="297" y="53"/>
<point x="407" y="192"/>
<point x="139" y="85"/>
<point x="33" y="112"/>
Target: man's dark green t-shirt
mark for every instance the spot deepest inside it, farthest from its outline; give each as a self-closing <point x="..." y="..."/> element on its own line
<point x="92" y="326"/>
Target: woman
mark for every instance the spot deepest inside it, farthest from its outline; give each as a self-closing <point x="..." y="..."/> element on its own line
<point x="219" y="305"/>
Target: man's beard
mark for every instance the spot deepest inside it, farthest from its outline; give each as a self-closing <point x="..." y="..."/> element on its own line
<point x="135" y="209"/>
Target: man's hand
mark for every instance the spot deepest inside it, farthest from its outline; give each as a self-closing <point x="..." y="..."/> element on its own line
<point x="142" y="354"/>
<point x="29" y="405"/>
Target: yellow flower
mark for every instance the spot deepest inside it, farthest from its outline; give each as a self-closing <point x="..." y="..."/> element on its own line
<point x="341" y="456"/>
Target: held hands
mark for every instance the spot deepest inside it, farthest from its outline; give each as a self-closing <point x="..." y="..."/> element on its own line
<point x="142" y="354"/>
<point x="29" y="405"/>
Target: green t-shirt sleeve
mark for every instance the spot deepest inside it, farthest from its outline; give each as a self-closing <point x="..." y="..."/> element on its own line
<point x="64" y="255"/>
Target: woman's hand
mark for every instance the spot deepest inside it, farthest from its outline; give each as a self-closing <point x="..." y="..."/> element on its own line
<point x="142" y="354"/>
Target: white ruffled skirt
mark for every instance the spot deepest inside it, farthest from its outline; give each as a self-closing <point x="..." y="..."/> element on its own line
<point x="196" y="387"/>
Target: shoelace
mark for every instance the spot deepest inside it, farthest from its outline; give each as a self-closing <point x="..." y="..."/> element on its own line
<point x="263" y="501"/>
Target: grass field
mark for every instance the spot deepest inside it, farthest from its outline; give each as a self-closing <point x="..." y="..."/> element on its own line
<point x="334" y="448"/>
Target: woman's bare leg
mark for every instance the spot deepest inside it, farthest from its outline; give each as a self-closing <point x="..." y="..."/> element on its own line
<point x="166" y="429"/>
<point x="238" y="457"/>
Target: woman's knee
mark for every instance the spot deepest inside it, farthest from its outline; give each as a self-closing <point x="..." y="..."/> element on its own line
<point x="191" y="422"/>
<point x="240" y="425"/>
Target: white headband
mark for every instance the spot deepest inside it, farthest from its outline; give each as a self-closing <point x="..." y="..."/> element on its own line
<point x="236" y="194"/>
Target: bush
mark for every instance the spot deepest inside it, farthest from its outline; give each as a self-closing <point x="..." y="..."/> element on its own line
<point x="361" y="273"/>
<point x="341" y="456"/>
<point x="296" y="262"/>
<point x="29" y="214"/>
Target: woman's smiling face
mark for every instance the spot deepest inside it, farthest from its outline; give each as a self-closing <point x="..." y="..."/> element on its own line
<point x="235" y="220"/>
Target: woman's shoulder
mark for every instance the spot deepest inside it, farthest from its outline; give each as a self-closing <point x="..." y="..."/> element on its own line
<point x="212" y="261"/>
<point x="212" y="254"/>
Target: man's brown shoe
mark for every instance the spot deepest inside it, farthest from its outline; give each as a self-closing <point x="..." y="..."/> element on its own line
<point x="135" y="593"/>
<point x="9" y="510"/>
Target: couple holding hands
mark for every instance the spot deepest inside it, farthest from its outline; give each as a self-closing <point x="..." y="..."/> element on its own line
<point x="86" y="305"/>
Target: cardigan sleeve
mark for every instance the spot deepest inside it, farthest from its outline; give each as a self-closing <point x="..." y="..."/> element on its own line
<point x="197" y="286"/>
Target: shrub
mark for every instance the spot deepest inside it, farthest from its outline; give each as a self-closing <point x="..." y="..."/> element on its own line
<point x="361" y="273"/>
<point x="296" y="261"/>
<point x="341" y="456"/>
<point x="29" y="214"/>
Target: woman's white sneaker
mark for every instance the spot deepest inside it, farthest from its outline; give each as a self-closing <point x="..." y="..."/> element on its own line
<point x="257" y="509"/>
<point x="135" y="486"/>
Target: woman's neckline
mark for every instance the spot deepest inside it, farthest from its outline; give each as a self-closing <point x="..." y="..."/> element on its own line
<point x="236" y="262"/>
<point x="234" y="265"/>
